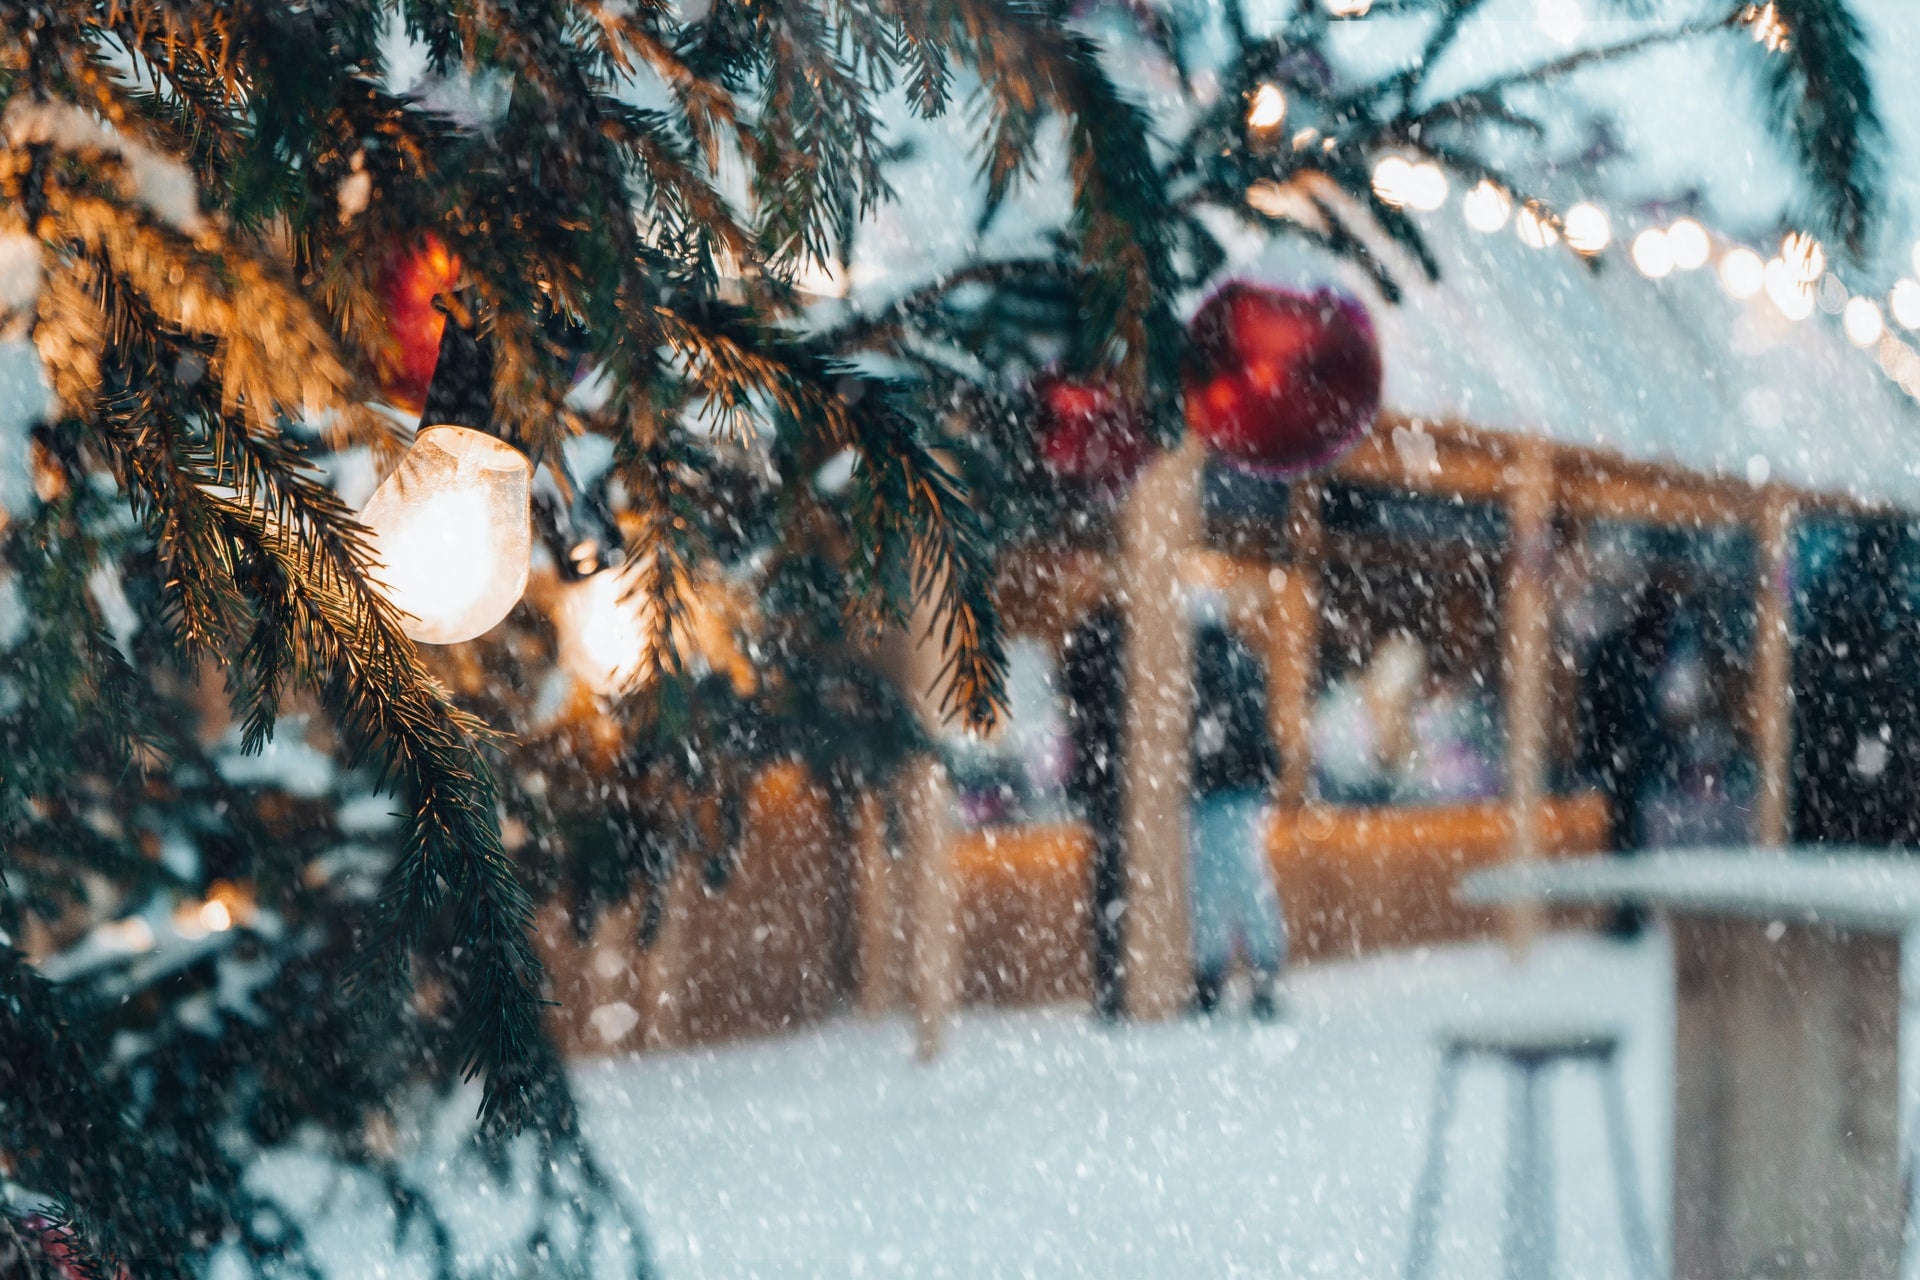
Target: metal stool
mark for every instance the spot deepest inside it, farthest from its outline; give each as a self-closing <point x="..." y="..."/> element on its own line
<point x="1527" y="1050"/>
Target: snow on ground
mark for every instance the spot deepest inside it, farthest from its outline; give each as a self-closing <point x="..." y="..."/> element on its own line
<point x="1044" y="1144"/>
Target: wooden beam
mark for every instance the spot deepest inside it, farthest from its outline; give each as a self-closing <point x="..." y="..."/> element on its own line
<point x="1771" y="707"/>
<point x="1159" y="524"/>
<point x="1527" y="638"/>
<point x="928" y="803"/>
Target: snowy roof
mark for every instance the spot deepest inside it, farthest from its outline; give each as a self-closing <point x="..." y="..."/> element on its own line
<point x="1674" y="371"/>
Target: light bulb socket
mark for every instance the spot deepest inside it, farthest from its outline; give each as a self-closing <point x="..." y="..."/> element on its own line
<point x="461" y="393"/>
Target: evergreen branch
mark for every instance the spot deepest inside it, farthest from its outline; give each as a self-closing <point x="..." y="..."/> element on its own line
<point x="397" y="716"/>
<point x="1027" y="59"/>
<point x="63" y="1130"/>
<point x="909" y="508"/>
<point x="1820" y="96"/>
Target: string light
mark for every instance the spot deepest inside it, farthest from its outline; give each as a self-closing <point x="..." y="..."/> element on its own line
<point x="1349" y="8"/>
<point x="1427" y="186"/>
<point x="1587" y="229"/>
<point x="1904" y="302"/>
<point x="1534" y="227"/>
<point x="602" y="621"/>
<point x="1653" y="254"/>
<point x="1393" y="181"/>
<point x="1268" y="108"/>
<point x="1487" y="207"/>
<point x="1863" y="322"/>
<point x="452" y="529"/>
<point x="1690" y="244"/>
<point x="1790" y="291"/>
<point x="1764" y="23"/>
<point x="1742" y="273"/>
<point x="1803" y="256"/>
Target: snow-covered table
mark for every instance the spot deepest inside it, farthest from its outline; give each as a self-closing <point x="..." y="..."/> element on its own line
<point x="1786" y="1143"/>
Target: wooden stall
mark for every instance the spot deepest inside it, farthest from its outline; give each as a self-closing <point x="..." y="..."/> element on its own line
<point x="1355" y="878"/>
<point x="920" y="913"/>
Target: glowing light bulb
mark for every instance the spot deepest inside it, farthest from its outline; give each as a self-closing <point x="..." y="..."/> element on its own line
<point x="1534" y="227"/>
<point x="1863" y="322"/>
<point x="1487" y="207"/>
<point x="1427" y="186"/>
<point x="1792" y="294"/>
<point x="453" y="533"/>
<point x="216" y="916"/>
<point x="1742" y="274"/>
<point x="1393" y="181"/>
<point x="1653" y="254"/>
<point x="1349" y="8"/>
<point x="1587" y="229"/>
<point x="1803" y="256"/>
<point x="606" y="640"/>
<point x="1904" y="302"/>
<point x="1268" y="108"/>
<point x="1690" y="244"/>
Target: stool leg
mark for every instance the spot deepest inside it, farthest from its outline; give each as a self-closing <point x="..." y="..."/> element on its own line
<point x="1529" y="1244"/>
<point x="1633" y="1219"/>
<point x="1426" y="1197"/>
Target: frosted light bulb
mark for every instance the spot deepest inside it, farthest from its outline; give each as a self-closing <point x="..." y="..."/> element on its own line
<point x="1587" y="229"/>
<point x="1690" y="244"/>
<point x="1904" y="302"/>
<point x="1534" y="228"/>
<point x="452" y="530"/>
<point x="1487" y="206"/>
<point x="1268" y="109"/>
<point x="1742" y="274"/>
<point x="604" y="640"/>
<point x="1652" y="254"/>
<point x="1863" y="322"/>
<point x="1393" y="180"/>
<point x="1427" y="186"/>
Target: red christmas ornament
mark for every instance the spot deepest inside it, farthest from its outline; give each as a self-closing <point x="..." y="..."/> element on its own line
<point x="409" y="281"/>
<point x="1090" y="435"/>
<point x="1279" y="382"/>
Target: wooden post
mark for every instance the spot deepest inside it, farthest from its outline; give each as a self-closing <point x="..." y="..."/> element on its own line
<point x="1160" y="522"/>
<point x="1527" y="636"/>
<point x="1772" y="695"/>
<point x="928" y="805"/>
<point x="877" y="934"/>
<point x="1293" y="645"/>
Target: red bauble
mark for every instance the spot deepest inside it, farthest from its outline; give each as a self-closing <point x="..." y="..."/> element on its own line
<point x="1090" y="435"/>
<point x="1280" y="382"/>
<point x="409" y="281"/>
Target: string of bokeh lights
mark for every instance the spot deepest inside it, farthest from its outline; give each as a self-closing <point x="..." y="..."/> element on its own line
<point x="1794" y="279"/>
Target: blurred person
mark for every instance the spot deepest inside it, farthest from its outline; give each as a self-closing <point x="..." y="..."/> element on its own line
<point x="1363" y="725"/>
<point x="1234" y="763"/>
<point x="1623" y="735"/>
